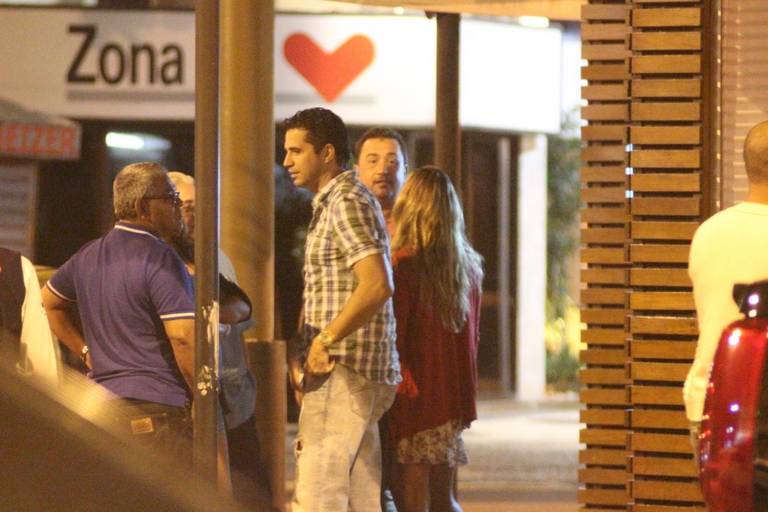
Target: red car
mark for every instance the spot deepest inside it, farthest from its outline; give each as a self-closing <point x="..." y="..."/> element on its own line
<point x="734" y="430"/>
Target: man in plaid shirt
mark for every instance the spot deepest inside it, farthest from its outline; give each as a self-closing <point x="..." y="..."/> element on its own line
<point x="352" y="365"/>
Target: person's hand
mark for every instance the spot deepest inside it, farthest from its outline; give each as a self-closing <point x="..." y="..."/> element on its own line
<point x="319" y="361"/>
<point x="296" y="377"/>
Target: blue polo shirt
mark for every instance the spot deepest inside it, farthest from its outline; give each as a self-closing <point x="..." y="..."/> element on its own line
<point x="125" y="284"/>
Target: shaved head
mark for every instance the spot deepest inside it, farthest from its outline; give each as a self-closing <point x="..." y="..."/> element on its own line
<point x="756" y="154"/>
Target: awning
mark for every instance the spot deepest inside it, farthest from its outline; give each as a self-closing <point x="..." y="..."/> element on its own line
<point x="553" y="9"/>
<point x="34" y="135"/>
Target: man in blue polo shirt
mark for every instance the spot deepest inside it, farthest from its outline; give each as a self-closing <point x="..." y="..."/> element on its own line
<point x="136" y="306"/>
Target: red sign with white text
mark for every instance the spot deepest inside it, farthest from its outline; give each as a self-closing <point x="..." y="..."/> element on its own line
<point x="40" y="141"/>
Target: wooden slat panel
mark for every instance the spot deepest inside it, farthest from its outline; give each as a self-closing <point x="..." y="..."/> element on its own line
<point x="604" y="276"/>
<point x="666" y="182"/>
<point x="607" y="215"/>
<point x="659" y="277"/>
<point x="663" y="230"/>
<point x="660" y="64"/>
<point x="659" y="253"/>
<point x="665" y="134"/>
<point x="608" y="133"/>
<point x="605" y="72"/>
<point x="603" y="316"/>
<point x="666" y="111"/>
<point x="661" y="490"/>
<point x="610" y="112"/>
<point x="663" y="325"/>
<point x="654" y="418"/>
<point x="663" y="466"/>
<point x="606" y="417"/>
<point x="671" y="350"/>
<point x="603" y="476"/>
<point x="604" y="51"/>
<point x="666" y="88"/>
<point x="666" y="158"/>
<point x="603" y="194"/>
<point x="603" y="255"/>
<point x="603" y="356"/>
<point x="638" y="507"/>
<point x="603" y="296"/>
<point x="665" y="443"/>
<point x="604" y="174"/>
<point x="666" y="372"/>
<point x="604" y="236"/>
<point x="604" y="396"/>
<point x="596" y="336"/>
<point x="603" y="496"/>
<point x="605" y="92"/>
<point x="604" y="12"/>
<point x="603" y="376"/>
<point x="604" y="153"/>
<point x="603" y="436"/>
<point x="652" y="18"/>
<point x="656" y="395"/>
<point x="680" y="301"/>
<point x="604" y="31"/>
<point x="666" y="206"/>
<point x="653" y="41"/>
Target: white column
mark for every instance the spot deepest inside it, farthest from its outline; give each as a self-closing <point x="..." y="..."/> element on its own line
<point x="531" y="266"/>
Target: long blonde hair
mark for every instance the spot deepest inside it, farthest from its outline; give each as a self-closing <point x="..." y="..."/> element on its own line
<point x="429" y="221"/>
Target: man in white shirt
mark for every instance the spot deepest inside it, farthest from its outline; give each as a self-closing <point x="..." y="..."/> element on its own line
<point x="728" y="248"/>
<point x="24" y="328"/>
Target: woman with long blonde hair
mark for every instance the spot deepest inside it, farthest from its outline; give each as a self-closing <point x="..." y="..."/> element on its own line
<point x="438" y="278"/>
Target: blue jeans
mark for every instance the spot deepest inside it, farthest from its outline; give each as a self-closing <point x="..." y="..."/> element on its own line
<point x="338" y="454"/>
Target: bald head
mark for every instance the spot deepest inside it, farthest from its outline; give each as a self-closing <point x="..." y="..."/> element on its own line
<point x="185" y="186"/>
<point x="756" y="154"/>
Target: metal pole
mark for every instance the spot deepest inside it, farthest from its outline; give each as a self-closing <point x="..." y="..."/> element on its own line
<point x="206" y="235"/>
<point x="504" y="149"/>
<point x="447" y="129"/>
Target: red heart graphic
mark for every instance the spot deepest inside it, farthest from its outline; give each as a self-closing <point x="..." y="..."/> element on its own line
<point x="329" y="73"/>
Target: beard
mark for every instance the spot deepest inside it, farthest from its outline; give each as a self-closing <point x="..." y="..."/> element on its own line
<point x="184" y="245"/>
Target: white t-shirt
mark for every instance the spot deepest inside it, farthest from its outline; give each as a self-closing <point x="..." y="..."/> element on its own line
<point x="36" y="338"/>
<point x="728" y="248"/>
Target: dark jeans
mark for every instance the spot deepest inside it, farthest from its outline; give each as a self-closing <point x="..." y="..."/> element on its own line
<point x="163" y="429"/>
<point x="250" y="482"/>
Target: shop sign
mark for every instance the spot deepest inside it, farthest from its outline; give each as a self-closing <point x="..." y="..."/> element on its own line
<point x="139" y="65"/>
<point x="40" y="141"/>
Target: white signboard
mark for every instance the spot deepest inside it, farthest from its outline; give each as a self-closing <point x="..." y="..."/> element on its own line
<point x="87" y="63"/>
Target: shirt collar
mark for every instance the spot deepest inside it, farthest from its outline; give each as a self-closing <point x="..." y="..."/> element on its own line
<point x="322" y="195"/>
<point x="134" y="228"/>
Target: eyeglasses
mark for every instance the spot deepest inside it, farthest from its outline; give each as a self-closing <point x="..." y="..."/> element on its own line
<point x="173" y="196"/>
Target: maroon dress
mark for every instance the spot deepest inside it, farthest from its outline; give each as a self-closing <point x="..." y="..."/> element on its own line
<point x="439" y="367"/>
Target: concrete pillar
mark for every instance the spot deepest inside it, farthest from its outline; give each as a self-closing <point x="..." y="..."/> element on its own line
<point x="247" y="198"/>
<point x="531" y="267"/>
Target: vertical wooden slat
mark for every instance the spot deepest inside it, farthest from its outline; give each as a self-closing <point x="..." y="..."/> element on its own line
<point x="604" y="255"/>
<point x="668" y="161"/>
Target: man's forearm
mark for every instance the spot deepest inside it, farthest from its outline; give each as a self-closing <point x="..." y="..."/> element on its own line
<point x="64" y="329"/>
<point x="184" y="353"/>
<point x="365" y="301"/>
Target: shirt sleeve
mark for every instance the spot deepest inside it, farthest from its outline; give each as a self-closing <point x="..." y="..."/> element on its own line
<point x="170" y="287"/>
<point x="62" y="283"/>
<point x="35" y="332"/>
<point x="359" y="228"/>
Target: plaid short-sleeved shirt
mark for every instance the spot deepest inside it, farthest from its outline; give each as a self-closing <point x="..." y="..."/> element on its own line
<point x="347" y="226"/>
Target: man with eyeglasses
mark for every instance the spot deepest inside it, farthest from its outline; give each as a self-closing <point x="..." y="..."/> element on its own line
<point x="136" y="307"/>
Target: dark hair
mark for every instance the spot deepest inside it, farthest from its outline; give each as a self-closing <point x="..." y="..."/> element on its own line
<point x="380" y="132"/>
<point x="323" y="127"/>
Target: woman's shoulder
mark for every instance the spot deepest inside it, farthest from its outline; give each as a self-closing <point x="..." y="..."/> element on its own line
<point x="403" y="257"/>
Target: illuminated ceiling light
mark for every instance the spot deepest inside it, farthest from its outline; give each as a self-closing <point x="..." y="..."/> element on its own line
<point x="533" y="21"/>
<point x="399" y="10"/>
<point x="136" y="141"/>
<point x="119" y="140"/>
